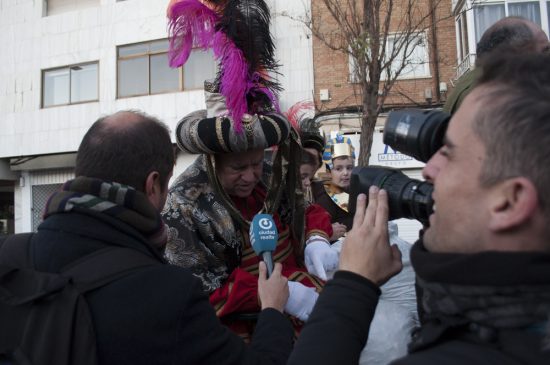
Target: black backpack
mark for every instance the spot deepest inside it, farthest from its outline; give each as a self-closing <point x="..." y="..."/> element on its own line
<point x="44" y="317"/>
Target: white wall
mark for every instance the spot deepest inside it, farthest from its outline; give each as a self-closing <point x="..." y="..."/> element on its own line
<point x="294" y="50"/>
<point x="31" y="43"/>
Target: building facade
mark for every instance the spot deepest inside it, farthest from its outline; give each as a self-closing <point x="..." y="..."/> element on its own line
<point x="425" y="82"/>
<point x="446" y="50"/>
<point x="67" y="62"/>
<point x="473" y="17"/>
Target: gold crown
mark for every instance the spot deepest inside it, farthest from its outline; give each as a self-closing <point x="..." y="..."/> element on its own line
<point x="340" y="149"/>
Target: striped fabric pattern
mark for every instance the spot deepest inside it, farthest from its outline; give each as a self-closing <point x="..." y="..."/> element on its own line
<point x="115" y="200"/>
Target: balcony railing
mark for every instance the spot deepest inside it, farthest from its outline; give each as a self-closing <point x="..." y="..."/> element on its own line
<point x="465" y="65"/>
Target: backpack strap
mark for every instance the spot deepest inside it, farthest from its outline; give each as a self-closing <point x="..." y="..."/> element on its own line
<point x="18" y="283"/>
<point x="105" y="265"/>
<point x="15" y="250"/>
<point x="86" y="273"/>
<point x="44" y="317"/>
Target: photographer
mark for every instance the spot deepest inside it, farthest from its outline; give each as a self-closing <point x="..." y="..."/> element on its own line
<point x="484" y="262"/>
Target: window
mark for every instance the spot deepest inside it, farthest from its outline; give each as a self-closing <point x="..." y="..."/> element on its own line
<point x="40" y="197"/>
<point x="462" y="25"/>
<point x="528" y="10"/>
<point x="485" y="16"/>
<point x="416" y="64"/>
<point x="490" y="12"/>
<point x="52" y="7"/>
<point x="143" y="70"/>
<point x="70" y="85"/>
<point x="417" y="61"/>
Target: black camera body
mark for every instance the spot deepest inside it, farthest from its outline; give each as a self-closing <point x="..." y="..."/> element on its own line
<point x="419" y="134"/>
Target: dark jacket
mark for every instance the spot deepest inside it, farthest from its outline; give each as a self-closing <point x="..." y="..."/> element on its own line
<point x="465" y="84"/>
<point x="157" y="314"/>
<point x="347" y="306"/>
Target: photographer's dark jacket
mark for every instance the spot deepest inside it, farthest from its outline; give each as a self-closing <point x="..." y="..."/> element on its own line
<point x="486" y="308"/>
<point x="157" y="314"/>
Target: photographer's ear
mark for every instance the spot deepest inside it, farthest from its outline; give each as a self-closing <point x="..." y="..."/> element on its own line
<point x="512" y="203"/>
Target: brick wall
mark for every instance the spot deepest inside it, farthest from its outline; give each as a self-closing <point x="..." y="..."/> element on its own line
<point x="331" y="68"/>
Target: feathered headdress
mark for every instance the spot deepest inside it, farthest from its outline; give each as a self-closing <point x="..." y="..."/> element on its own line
<point x="238" y="33"/>
<point x="295" y="114"/>
<point x="310" y="130"/>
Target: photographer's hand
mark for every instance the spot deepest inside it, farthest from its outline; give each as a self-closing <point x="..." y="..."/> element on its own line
<point x="366" y="250"/>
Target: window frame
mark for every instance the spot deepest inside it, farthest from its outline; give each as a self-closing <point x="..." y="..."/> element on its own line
<point x="149" y="54"/>
<point x="508" y="2"/>
<point x="69" y="67"/>
<point x="426" y="64"/>
<point x="49" y="10"/>
<point x="543" y="5"/>
<point x="428" y="72"/>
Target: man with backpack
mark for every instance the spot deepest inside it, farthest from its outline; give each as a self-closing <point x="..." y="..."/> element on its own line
<point x="91" y="286"/>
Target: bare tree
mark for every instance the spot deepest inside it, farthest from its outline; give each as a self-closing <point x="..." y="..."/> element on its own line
<point x="379" y="36"/>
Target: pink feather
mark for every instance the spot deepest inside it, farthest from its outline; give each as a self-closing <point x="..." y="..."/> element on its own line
<point x="233" y="83"/>
<point x="191" y="23"/>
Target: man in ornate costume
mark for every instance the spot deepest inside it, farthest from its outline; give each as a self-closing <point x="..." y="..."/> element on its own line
<point x="210" y="206"/>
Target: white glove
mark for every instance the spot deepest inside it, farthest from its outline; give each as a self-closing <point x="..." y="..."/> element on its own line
<point x="300" y="301"/>
<point x="320" y="257"/>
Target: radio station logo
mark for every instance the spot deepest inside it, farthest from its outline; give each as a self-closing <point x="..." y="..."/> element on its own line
<point x="265" y="223"/>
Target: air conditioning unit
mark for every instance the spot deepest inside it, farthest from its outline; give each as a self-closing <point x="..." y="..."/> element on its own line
<point x="324" y="95"/>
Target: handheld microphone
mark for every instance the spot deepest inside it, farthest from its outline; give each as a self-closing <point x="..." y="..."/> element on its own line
<point x="263" y="238"/>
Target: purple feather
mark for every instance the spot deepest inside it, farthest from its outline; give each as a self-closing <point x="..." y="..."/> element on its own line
<point x="233" y="83"/>
<point x="191" y="23"/>
<point x="256" y="89"/>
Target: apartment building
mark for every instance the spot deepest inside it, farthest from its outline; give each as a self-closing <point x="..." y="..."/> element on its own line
<point x="445" y="51"/>
<point x="424" y="82"/>
<point x="473" y="17"/>
<point x="67" y="62"/>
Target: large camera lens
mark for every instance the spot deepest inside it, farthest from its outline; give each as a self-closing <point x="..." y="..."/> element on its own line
<point x="417" y="133"/>
<point x="407" y="198"/>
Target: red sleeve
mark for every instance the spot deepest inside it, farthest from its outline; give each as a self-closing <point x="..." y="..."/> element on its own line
<point x="318" y="221"/>
<point x="239" y="293"/>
